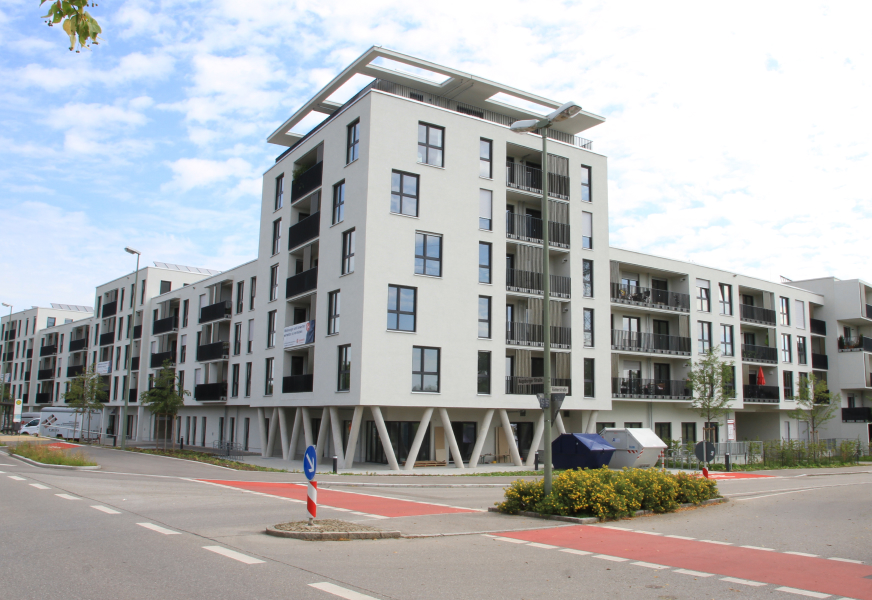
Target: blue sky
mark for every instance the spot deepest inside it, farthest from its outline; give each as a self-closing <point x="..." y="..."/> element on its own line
<point x="733" y="142"/>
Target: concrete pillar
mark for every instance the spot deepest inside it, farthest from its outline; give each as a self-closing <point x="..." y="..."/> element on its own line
<point x="452" y="441"/>
<point x="337" y="437"/>
<point x="352" y="436"/>
<point x="419" y="437"/>
<point x="283" y="430"/>
<point x="385" y="439"/>
<point x="261" y="429"/>
<point x="295" y="434"/>
<point x="558" y="426"/>
<point x="140" y="412"/>
<point x="483" y="428"/>
<point x="273" y="433"/>
<point x="537" y="439"/>
<point x="307" y="428"/>
<point x="510" y="438"/>
<point x="322" y="433"/>
<point x="591" y="421"/>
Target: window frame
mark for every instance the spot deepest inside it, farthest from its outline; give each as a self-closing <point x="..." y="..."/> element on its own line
<point x="801" y="344"/>
<point x="588" y="332"/>
<point x="487" y="377"/>
<point x="395" y="289"/>
<point x="277" y="236"/>
<point x="422" y="373"/>
<point x="784" y="311"/>
<point x="726" y="303"/>
<point x="704" y="337"/>
<point x="489" y="265"/>
<point x="333" y="311"/>
<point x="589" y="369"/>
<point x="248" y="367"/>
<point x="338" y="215"/>
<point x="352" y="142"/>
<point x="489" y="225"/>
<point x="489" y="160"/>
<point x="786" y="348"/>
<point x="586" y="185"/>
<point x="234" y="380"/>
<point x="269" y="376"/>
<point x="252" y="291"/>
<point x="237" y="338"/>
<point x="348" y="243"/>
<point x="279" y="200"/>
<point x="403" y="196"/>
<point x="586" y="278"/>
<point x="785" y="377"/>
<point x="240" y="296"/>
<point x="428" y="146"/>
<point x="728" y="345"/>
<point x="586" y="241"/>
<point x="424" y="257"/>
<point x="704" y="298"/>
<point x="271" y="328"/>
<point x="343" y="368"/>
<point x="274" y="282"/>
<point x="486" y="321"/>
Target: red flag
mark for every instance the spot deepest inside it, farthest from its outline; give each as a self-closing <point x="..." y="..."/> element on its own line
<point x="760" y="379"/>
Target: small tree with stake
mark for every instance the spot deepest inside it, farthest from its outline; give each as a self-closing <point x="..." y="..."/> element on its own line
<point x="86" y="393"/>
<point x="711" y="379"/>
<point x="166" y="398"/>
<point x="815" y="405"/>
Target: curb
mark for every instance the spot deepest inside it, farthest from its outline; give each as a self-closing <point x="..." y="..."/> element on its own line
<point x="39" y="464"/>
<point x="595" y="520"/>
<point x="412" y="485"/>
<point x="335" y="536"/>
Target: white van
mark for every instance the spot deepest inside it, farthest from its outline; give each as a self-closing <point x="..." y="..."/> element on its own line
<point x="70" y="423"/>
<point x="30" y="427"/>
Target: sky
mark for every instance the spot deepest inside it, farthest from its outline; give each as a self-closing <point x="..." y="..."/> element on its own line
<point x="737" y="134"/>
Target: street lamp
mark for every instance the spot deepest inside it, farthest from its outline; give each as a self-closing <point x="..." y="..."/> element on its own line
<point x="123" y="424"/>
<point x="567" y="111"/>
<point x="3" y="370"/>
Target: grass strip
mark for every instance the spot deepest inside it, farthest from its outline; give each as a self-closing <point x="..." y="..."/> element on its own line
<point x="52" y="456"/>
<point x="205" y="457"/>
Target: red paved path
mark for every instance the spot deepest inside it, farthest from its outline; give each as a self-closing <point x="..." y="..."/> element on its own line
<point x="61" y="446"/>
<point x="737" y="476"/>
<point x="816" y="574"/>
<point x="374" y="505"/>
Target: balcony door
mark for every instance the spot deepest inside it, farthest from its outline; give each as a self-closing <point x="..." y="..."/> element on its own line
<point x="661" y="372"/>
<point x="749" y="339"/>
<point x="632" y="335"/>
<point x="533" y="223"/>
<point x="661" y="334"/>
<point x="298" y="365"/>
<point x="300" y="315"/>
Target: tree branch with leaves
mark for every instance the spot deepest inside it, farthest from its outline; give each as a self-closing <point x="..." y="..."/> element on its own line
<point x="815" y="405"/>
<point x="77" y="23"/>
<point x="166" y="397"/>
<point x="711" y="379"/>
<point x="87" y="393"/>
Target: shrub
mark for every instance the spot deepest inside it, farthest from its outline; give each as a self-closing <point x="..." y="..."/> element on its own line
<point x="521" y="495"/>
<point x="694" y="489"/>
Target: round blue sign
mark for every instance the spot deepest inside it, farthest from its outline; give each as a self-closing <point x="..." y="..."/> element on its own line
<point x="310" y="461"/>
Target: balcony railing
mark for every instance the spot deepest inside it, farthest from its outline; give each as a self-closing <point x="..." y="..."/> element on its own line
<point x="630" y="387"/>
<point x="297" y="383"/>
<point x="134" y="363"/>
<point x="76" y="345"/>
<point x="166" y="325"/>
<point x="107" y="339"/>
<point x="650" y="297"/>
<point x="137" y="332"/>
<point x="75" y="371"/>
<point x="529" y="229"/>
<point x="210" y="392"/>
<point x="818" y="327"/>
<point x="307" y="181"/>
<point x="757" y="314"/>
<point x="305" y="230"/>
<point x="856" y="344"/>
<point x="215" y="312"/>
<point x="527" y="334"/>
<point x="301" y="283"/>
<point x="48" y="350"/>
<point x="529" y="179"/>
<point x="43" y="398"/>
<point x="109" y="309"/>
<point x="869" y="311"/>
<point x="9" y="335"/>
<point x="518" y="385"/>
<point x="529" y="282"/>
<point x="42" y="374"/>
<point x="761" y="393"/>
<point x="657" y="343"/>
<point x="764" y="354"/>
<point x="216" y="351"/>
<point x="158" y="358"/>
<point x="819" y="361"/>
<point x="857" y="414"/>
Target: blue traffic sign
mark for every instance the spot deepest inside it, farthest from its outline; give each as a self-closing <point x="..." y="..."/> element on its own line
<point x="310" y="461"/>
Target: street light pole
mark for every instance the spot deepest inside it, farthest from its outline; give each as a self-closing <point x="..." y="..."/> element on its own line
<point x="123" y="424"/>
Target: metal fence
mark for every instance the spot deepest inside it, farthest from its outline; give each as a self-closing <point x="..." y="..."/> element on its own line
<point x="772" y="453"/>
<point x="228" y="450"/>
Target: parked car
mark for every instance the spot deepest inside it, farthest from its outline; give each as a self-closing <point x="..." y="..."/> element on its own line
<point x="30" y="428"/>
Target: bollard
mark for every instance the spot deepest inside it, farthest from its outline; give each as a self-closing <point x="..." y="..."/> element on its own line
<point x="536" y="462"/>
<point x="114" y="439"/>
<point x="181" y="444"/>
<point x="335" y="464"/>
<point x="727" y="467"/>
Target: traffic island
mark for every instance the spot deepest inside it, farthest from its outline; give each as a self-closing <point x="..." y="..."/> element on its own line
<point x="329" y="530"/>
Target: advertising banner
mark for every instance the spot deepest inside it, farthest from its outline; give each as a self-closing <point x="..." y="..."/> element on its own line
<point x="104" y="368"/>
<point x="299" y="334"/>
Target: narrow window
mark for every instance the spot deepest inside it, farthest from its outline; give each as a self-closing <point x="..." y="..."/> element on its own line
<point x="333" y="312"/>
<point x="425" y="369"/>
<point x="703" y="297"/>
<point x="588" y="378"/>
<point x="252" y="293"/>
<point x="727" y="340"/>
<point x="339" y="202"/>
<point x="401" y="308"/>
<point x="799" y="314"/>
<point x="404" y="193"/>
<point x="785" y="311"/>
<point x="271" y="329"/>
<point x="484" y="372"/>
<point x="786" y="348"/>
<point x="234" y="381"/>
<point x="353" y="142"/>
<point x="185" y="306"/>
<point x="343" y="379"/>
<point x="276" y="236"/>
<point x="273" y="282"/>
<point x="801" y="356"/>
<point x="237" y="339"/>
<point x="250" y="335"/>
<point x="247" y="380"/>
<point x="788" y="384"/>
<point x="585" y="184"/>
<point x="484" y="317"/>
<point x="240" y="301"/>
<point x="348" y="252"/>
<point x="141" y="295"/>
<point x="280" y="191"/>
<point x="588" y="327"/>
<point x="705" y="337"/>
<point x="587" y="278"/>
<point x="268" y="383"/>
<point x="725" y="297"/>
<point x="485" y="210"/>
<point x="430" y="144"/>
<point x="183" y="352"/>
<point x="484" y="262"/>
<point x="428" y="254"/>
<point x="587" y="230"/>
<point x="485" y="160"/>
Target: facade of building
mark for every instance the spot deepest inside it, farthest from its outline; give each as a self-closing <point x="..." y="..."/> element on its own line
<point x="380" y="323"/>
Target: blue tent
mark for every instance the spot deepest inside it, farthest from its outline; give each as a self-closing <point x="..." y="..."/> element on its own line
<point x="580" y="451"/>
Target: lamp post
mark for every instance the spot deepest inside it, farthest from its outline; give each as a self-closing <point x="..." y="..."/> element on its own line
<point x="123" y="424"/>
<point x="4" y="370"/>
<point x="567" y="111"/>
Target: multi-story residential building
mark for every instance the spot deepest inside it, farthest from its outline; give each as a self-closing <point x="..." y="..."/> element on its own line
<point x="385" y="328"/>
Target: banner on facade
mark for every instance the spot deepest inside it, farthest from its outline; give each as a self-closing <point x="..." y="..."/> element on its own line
<point x="104" y="368"/>
<point x="299" y="334"/>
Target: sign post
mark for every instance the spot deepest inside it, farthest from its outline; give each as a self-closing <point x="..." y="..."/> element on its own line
<point x="310" y="462"/>
<point x="16" y="412"/>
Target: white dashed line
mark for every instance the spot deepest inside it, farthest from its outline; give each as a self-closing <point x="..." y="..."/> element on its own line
<point x="758" y="548"/>
<point x="488" y="535"/>
<point x="618" y="528"/>
<point x="106" y="510"/>
<point x="545" y="546"/>
<point x="649" y="565"/>
<point x="510" y="540"/>
<point x="680" y="537"/>
<point x="341" y="509"/>
<point x="159" y="529"/>
<point x="39" y="486"/>
<point x="574" y="551"/>
<point x="340" y="591"/>
<point x="716" y="542"/>
<point x="611" y="558"/>
<point x="742" y="581"/>
<point x="694" y="573"/>
<point x="802" y="592"/>
<point x="648" y="532"/>
<point x="847" y="560"/>
<point x="243" y="558"/>
<point x="2" y="471"/>
<point x="66" y="496"/>
<point x="802" y="554"/>
<point x="16" y="477"/>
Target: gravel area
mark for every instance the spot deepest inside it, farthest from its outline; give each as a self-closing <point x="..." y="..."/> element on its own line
<point x="325" y="525"/>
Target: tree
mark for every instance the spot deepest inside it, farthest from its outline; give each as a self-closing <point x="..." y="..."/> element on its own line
<point x="711" y="379"/>
<point x="77" y="22"/>
<point x="86" y="393"/>
<point x="166" y="398"/>
<point x="815" y="405"/>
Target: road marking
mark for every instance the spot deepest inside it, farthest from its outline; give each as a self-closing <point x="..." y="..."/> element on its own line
<point x="159" y="529"/>
<point x="510" y="540"/>
<point x="680" y="537"/>
<point x="802" y="592"/>
<point x="649" y="565"/>
<point x="742" y="581"/>
<point x="574" y="551"/>
<point x="16" y="477"/>
<point x="802" y="554"/>
<point x="39" y="486"/>
<point x="545" y="546"/>
<point x="66" y="497"/>
<point x="648" y="532"/>
<point x="618" y="528"/>
<point x="106" y="510"/>
<point x="488" y="535"/>
<point x="340" y="591"/>
<point x="847" y="560"/>
<point x="694" y="573"/>
<point x="716" y="542"/>
<point x="758" y="548"/>
<point x="611" y="558"/>
<point x="243" y="558"/>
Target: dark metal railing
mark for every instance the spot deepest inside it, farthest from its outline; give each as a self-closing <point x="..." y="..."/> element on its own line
<point x="210" y="392"/>
<point x="43" y="398"/>
<point x="214" y="312"/>
<point x="216" y="351"/>
<point x="529" y="179"/>
<point x="293" y="384"/>
<point x="158" y="358"/>
<point x="48" y="350"/>
<point x="658" y="343"/>
<point x="761" y="393"/>
<point x="818" y="327"/>
<point x="107" y="339"/>
<point x="166" y="325"/>
<point x="307" y="181"/>
<point x="642" y="296"/>
<point x="45" y="374"/>
<point x="757" y="314"/>
<point x="514" y="385"/>
<point x="763" y="354"/>
<point x="75" y="371"/>
<point x="630" y="387"/>
<point x="137" y="332"/>
<point x="858" y="343"/>
<point x="301" y="283"/>
<point x="109" y="309"/>
<point x="76" y="345"/>
<point x="819" y="361"/>
<point x="228" y="450"/>
<point x="527" y="334"/>
<point x="529" y="229"/>
<point x="529" y="282"/>
<point x="857" y="414"/>
<point x="307" y="229"/>
<point x="9" y="335"/>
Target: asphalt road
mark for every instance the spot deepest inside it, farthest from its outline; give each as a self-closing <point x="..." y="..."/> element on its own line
<point x="61" y="545"/>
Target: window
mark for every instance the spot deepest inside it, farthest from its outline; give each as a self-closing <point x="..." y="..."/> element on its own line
<point x="428" y="254"/>
<point x="725" y="297"/>
<point x="799" y="314"/>
<point x="165" y="286"/>
<point x="252" y="292"/>
<point x="50" y="322"/>
<point x="588" y="378"/>
<point x="430" y="144"/>
<point x="271" y="329"/>
<point x="333" y="312"/>
<point x="425" y="369"/>
<point x="280" y="192"/>
<point x="688" y="432"/>
<point x="585" y="184"/>
<point x="784" y="311"/>
<point x="786" y="348"/>
<point x="484" y="368"/>
<point x="234" y="380"/>
<point x="587" y="230"/>
<point x="484" y="317"/>
<point x="801" y="356"/>
<point x="250" y="335"/>
<point x="485" y="209"/>
<point x="132" y="299"/>
<point x="185" y="305"/>
<point x="183" y="352"/>
<point x="353" y="150"/>
<point x="588" y="327"/>
<point x="268" y="377"/>
<point x="339" y="202"/>
<point x="276" y="236"/>
<point x="788" y="384"/>
<point x="663" y="431"/>
<point x="705" y="337"/>
<point x="343" y="377"/>
<point x="587" y="278"/>
<point x="401" y="308"/>
<point x="485" y="158"/>
<point x="273" y="282"/>
<point x="247" y="379"/>
<point x="484" y="262"/>
<point x="404" y="193"/>
<point x="240" y="290"/>
<point x="142" y="293"/>
<point x="237" y="339"/>
<point x="348" y="252"/>
<point x="727" y="340"/>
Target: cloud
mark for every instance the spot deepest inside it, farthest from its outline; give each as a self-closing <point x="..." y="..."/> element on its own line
<point x="189" y="173"/>
<point x="95" y="129"/>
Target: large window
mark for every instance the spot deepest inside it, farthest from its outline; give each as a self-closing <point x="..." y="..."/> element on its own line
<point x="343" y="375"/>
<point x="339" y="202"/>
<point x="276" y="236"/>
<point x="348" y="252"/>
<point x="273" y="282"/>
<point x="404" y="193"/>
<point x="587" y="230"/>
<point x="705" y="337"/>
<point x="271" y="329"/>
<point x="485" y="209"/>
<point x="727" y="340"/>
<point x="587" y="278"/>
<point x="786" y="348"/>
<point x="703" y="295"/>
<point x="485" y="158"/>
<point x="801" y="355"/>
<point x="425" y="369"/>
<point x="268" y="381"/>
<point x="484" y="373"/>
<point x="588" y="378"/>
<point x="784" y="310"/>
<point x="484" y="317"/>
<point x="333" y="312"/>
<point x="240" y="300"/>
<point x="725" y="297"/>
<point x="585" y="184"/>
<point x="788" y="384"/>
<point x="353" y="151"/>
<point x="484" y="262"/>
<point x="401" y="308"/>
<point x="431" y="142"/>
<point x="280" y="191"/>
<point x="588" y="327"/>
<point x="428" y="254"/>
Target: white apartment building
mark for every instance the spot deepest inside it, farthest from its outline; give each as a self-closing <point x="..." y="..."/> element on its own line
<point x="379" y="322"/>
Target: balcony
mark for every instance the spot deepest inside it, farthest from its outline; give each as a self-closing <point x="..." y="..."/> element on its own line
<point x="48" y="350"/>
<point x="43" y="374"/>
<point x="635" y="295"/>
<point x="107" y="339"/>
<point x="757" y="314"/>
<point x="216" y="351"/>
<point x="301" y="283"/>
<point x="9" y="335"/>
<point x="307" y="181"/>
<point x="623" y="387"/>
<point x="75" y="371"/>
<point x="761" y="393"/>
<point x="759" y="354"/>
<point x="134" y="395"/>
<point x="166" y="325"/>
<point x="210" y="392"/>
<point x="857" y="414"/>
<point x="27" y="376"/>
<point x="109" y="309"/>
<point x="527" y="334"/>
<point x="518" y="386"/>
<point x="529" y="229"/>
<point x="657" y="343"/>
<point x="529" y="179"/>
<point x="305" y="230"/>
<point x="858" y="344"/>
<point x="29" y="353"/>
<point x="77" y="345"/>
<point x="819" y="361"/>
<point x="294" y="384"/>
<point x="158" y="358"/>
<point x="869" y="311"/>
<point x="134" y="363"/>
<point x="43" y="398"/>
<point x="529" y="282"/>
<point x="9" y="356"/>
<point x="216" y="312"/>
<point x="137" y="332"/>
<point x="818" y="327"/>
